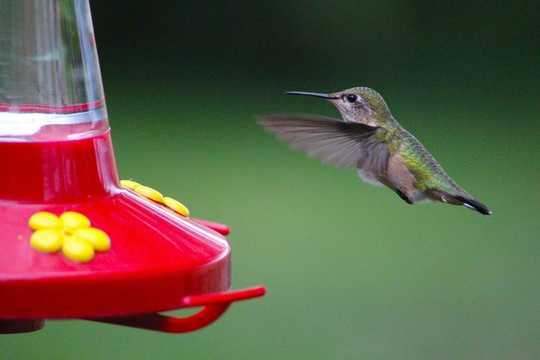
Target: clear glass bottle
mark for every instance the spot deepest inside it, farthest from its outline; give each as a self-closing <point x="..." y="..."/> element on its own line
<point x="50" y="81"/>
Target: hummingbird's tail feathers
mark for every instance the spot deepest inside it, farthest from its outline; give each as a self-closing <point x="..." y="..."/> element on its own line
<point x="474" y="205"/>
<point x="459" y="199"/>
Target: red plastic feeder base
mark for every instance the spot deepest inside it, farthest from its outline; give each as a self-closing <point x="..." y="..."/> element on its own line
<point x="158" y="260"/>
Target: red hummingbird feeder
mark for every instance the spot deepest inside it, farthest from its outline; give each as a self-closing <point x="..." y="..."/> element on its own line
<point x="59" y="183"/>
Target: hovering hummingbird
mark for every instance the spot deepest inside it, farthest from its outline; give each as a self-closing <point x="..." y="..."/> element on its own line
<point x="371" y="140"/>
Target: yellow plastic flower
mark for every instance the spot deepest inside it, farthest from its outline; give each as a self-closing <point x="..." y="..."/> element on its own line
<point x="149" y="193"/>
<point x="156" y="196"/>
<point x="77" y="249"/>
<point x="46" y="240"/>
<point x="129" y="184"/>
<point x="99" y="239"/>
<point x="176" y="205"/>
<point x="72" y="221"/>
<point x="44" y="220"/>
<point x="70" y="232"/>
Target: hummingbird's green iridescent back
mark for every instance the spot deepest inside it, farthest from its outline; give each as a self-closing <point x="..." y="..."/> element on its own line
<point x="428" y="172"/>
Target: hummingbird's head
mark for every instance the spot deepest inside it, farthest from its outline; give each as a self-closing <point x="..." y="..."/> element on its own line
<point x="358" y="104"/>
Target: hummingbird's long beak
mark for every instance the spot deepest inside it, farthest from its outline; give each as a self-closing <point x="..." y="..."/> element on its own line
<point x="314" y="94"/>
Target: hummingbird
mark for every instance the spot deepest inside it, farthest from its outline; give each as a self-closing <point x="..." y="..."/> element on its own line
<point x="370" y="139"/>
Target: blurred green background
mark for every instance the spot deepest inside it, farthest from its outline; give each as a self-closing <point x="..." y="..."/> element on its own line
<point x="352" y="271"/>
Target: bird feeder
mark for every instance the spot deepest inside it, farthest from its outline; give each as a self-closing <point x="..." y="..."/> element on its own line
<point x="74" y="242"/>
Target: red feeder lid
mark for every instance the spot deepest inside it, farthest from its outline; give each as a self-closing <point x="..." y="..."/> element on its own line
<point x="56" y="156"/>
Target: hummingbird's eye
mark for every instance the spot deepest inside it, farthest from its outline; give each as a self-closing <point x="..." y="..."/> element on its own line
<point x="351" y="98"/>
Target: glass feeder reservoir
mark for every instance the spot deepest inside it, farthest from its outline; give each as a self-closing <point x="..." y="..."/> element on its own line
<point x="75" y="242"/>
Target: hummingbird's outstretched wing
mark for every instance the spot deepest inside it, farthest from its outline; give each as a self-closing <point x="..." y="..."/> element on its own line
<point x="332" y="141"/>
